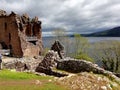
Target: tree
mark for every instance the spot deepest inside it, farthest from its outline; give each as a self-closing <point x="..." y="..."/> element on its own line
<point x="108" y="53"/>
<point x="75" y="47"/>
<point x="80" y="47"/>
<point x="61" y="35"/>
<point x="80" y="44"/>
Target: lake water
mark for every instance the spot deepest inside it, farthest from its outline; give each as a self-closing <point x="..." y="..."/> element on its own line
<point x="48" y="41"/>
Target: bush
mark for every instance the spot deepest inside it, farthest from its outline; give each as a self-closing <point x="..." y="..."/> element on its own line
<point x="108" y="53"/>
<point x="84" y="57"/>
<point x="45" y="51"/>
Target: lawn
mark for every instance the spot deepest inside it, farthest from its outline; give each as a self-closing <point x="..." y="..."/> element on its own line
<point x="13" y="75"/>
<point x="11" y="80"/>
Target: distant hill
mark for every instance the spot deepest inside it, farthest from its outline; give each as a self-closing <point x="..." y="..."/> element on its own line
<point x="114" y="32"/>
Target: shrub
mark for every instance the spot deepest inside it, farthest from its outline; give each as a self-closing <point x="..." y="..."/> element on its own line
<point x="84" y="57"/>
<point x="45" y="51"/>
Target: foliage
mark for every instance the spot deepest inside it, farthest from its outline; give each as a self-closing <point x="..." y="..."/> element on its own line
<point x="61" y="35"/>
<point x="80" y="48"/>
<point x="80" y="44"/>
<point x="77" y="47"/>
<point x="109" y="54"/>
<point x="45" y="51"/>
<point x="84" y="57"/>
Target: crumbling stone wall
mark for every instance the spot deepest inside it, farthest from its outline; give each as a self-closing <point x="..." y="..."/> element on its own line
<point x="15" y="31"/>
<point x="49" y="61"/>
<point x="58" y="47"/>
<point x="77" y="66"/>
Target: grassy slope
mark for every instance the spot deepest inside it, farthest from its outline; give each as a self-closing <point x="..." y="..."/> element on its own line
<point x="13" y="75"/>
<point x="24" y="81"/>
<point x="89" y="81"/>
<point x="27" y="81"/>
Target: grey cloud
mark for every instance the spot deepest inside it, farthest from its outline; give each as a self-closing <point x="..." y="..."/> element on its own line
<point x="74" y="15"/>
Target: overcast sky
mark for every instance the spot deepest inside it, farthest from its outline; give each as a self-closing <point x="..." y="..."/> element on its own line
<point x="75" y="16"/>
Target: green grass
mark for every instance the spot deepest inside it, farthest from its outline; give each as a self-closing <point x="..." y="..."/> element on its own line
<point x="47" y="86"/>
<point x="13" y="75"/>
<point x="11" y="80"/>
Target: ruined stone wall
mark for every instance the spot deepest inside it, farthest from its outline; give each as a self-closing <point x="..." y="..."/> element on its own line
<point x="28" y="30"/>
<point x="31" y="50"/>
<point x="9" y="35"/>
<point x="37" y="29"/>
<point x="33" y="29"/>
<point x="2" y="28"/>
<point x="12" y="37"/>
<point x="13" y="32"/>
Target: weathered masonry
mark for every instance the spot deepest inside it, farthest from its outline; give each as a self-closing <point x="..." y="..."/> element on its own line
<point x="20" y="34"/>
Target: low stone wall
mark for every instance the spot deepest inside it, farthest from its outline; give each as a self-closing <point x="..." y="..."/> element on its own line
<point x="77" y="66"/>
<point x="23" y="64"/>
<point x="52" y="60"/>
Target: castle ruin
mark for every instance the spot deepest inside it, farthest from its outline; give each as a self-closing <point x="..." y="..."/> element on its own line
<point x="20" y="34"/>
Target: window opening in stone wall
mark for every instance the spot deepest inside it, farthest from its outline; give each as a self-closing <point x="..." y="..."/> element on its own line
<point x="33" y="42"/>
<point x="5" y="26"/>
<point x="11" y="51"/>
<point x="33" y="31"/>
<point x="9" y="37"/>
<point x="20" y="27"/>
<point x="4" y="46"/>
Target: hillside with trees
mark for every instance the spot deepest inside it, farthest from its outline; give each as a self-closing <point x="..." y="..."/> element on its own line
<point x="114" y="32"/>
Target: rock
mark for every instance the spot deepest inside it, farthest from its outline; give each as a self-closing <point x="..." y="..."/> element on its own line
<point x="35" y="19"/>
<point x="25" y="18"/>
<point x="103" y="88"/>
<point x="76" y="66"/>
<point x="49" y="61"/>
<point x="18" y="65"/>
<point x="38" y="82"/>
<point x="57" y="46"/>
<point x="117" y="74"/>
<point x="3" y="13"/>
<point x="22" y="64"/>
